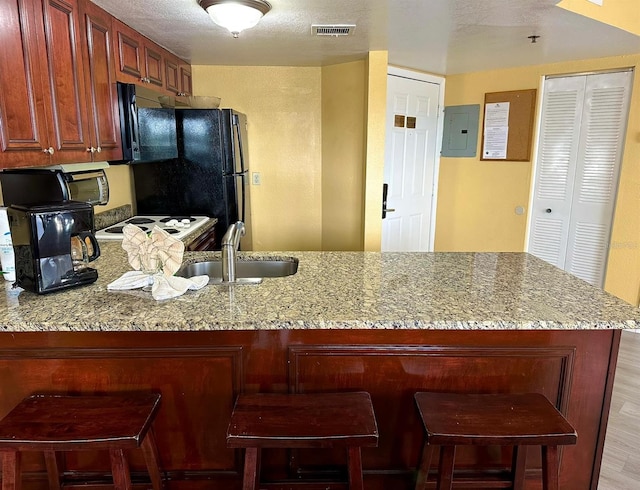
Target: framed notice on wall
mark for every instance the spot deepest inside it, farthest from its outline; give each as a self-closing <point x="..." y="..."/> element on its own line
<point x="508" y="125"/>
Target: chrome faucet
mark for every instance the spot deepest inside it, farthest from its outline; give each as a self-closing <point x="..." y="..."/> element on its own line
<point x="230" y="245"/>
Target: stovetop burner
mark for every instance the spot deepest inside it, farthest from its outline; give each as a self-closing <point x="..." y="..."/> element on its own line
<point x="118" y="229"/>
<point x="139" y="221"/>
<point x="177" y="218"/>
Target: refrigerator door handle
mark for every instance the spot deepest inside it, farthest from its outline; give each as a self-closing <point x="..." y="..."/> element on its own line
<point x="236" y="126"/>
<point x="244" y="202"/>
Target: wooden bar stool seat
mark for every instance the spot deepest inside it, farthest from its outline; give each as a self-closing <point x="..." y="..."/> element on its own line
<point x="516" y="420"/>
<point x="322" y="420"/>
<point x="52" y="423"/>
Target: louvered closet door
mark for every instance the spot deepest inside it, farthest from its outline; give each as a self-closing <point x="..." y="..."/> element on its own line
<point x="577" y="171"/>
<point x="556" y="168"/>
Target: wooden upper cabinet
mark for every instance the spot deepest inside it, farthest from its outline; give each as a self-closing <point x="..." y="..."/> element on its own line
<point x="138" y="60"/>
<point x="65" y="78"/>
<point x="129" y="55"/>
<point x="154" y="64"/>
<point x="141" y="61"/>
<point x="100" y="76"/>
<point x="178" y="75"/>
<point x="23" y="126"/>
<point x="59" y="62"/>
<point x="185" y="79"/>
<point x="44" y="121"/>
<point x="172" y="73"/>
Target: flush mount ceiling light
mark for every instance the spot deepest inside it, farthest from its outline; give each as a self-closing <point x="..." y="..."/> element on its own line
<point x="235" y="15"/>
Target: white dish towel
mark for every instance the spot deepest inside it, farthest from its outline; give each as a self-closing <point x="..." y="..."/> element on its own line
<point x="155" y="258"/>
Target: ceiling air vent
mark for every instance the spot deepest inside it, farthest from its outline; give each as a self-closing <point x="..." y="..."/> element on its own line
<point x="333" y="29"/>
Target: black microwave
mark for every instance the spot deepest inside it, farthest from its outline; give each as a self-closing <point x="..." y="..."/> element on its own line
<point x="147" y="125"/>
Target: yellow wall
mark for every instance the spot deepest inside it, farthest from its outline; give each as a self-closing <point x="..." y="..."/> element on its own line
<point x="476" y="199"/>
<point x="343" y="100"/>
<point x="283" y="108"/>
<point x="624" y="14"/>
<point x="376" y="108"/>
<point x="310" y="131"/>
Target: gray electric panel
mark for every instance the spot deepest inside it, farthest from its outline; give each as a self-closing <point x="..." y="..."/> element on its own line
<point x="460" y="136"/>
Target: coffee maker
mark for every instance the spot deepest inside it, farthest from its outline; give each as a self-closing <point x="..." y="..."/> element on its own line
<point x="53" y="244"/>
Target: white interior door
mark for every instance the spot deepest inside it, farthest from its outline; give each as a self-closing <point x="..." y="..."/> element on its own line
<point x="411" y="152"/>
<point x="581" y="139"/>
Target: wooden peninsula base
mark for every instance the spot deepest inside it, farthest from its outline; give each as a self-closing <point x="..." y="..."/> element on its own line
<point x="200" y="373"/>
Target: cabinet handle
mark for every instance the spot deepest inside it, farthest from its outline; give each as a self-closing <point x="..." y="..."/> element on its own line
<point x="548" y="210"/>
<point x="145" y="80"/>
<point x="49" y="150"/>
<point x="99" y="149"/>
<point x="91" y="150"/>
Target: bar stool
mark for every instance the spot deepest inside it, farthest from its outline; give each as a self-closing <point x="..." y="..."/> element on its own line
<point x="516" y="420"/>
<point x="319" y="420"/>
<point x="52" y="423"/>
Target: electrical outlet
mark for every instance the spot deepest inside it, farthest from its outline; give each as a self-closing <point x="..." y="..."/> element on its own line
<point x="255" y="177"/>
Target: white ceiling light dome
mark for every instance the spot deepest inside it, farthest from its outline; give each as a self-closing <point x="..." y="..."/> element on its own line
<point x="235" y="15"/>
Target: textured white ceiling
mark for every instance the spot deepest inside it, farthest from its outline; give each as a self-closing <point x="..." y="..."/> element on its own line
<point x="437" y="36"/>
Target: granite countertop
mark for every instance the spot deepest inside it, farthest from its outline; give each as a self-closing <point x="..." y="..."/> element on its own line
<point x="359" y="290"/>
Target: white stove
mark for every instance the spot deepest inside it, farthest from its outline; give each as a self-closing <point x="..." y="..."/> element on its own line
<point x="176" y="226"/>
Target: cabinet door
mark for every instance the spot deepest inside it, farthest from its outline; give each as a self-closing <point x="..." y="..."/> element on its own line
<point x="23" y="127"/>
<point x="185" y="79"/>
<point x="64" y="77"/>
<point x="138" y="60"/>
<point x="172" y="74"/>
<point x="207" y="241"/>
<point x="153" y="64"/>
<point x="129" y="55"/>
<point x="101" y="83"/>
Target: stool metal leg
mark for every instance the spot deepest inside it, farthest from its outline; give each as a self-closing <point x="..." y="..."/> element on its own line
<point x="423" y="469"/>
<point x="150" y="451"/>
<point x="550" y="467"/>
<point x="52" y="460"/>
<point x="445" y="470"/>
<point x="11" y="477"/>
<point x="251" y="479"/>
<point x="355" y="468"/>
<point x="120" y="470"/>
<point x="518" y="467"/>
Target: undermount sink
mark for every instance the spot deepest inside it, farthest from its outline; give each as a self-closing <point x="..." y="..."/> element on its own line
<point x="245" y="269"/>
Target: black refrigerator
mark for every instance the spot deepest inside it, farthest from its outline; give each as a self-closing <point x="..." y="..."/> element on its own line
<point x="208" y="178"/>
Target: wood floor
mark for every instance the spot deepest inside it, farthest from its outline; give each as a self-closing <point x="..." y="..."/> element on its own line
<point x="621" y="459"/>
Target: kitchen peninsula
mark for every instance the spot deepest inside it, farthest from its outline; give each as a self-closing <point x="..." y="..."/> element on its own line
<point x="390" y="324"/>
